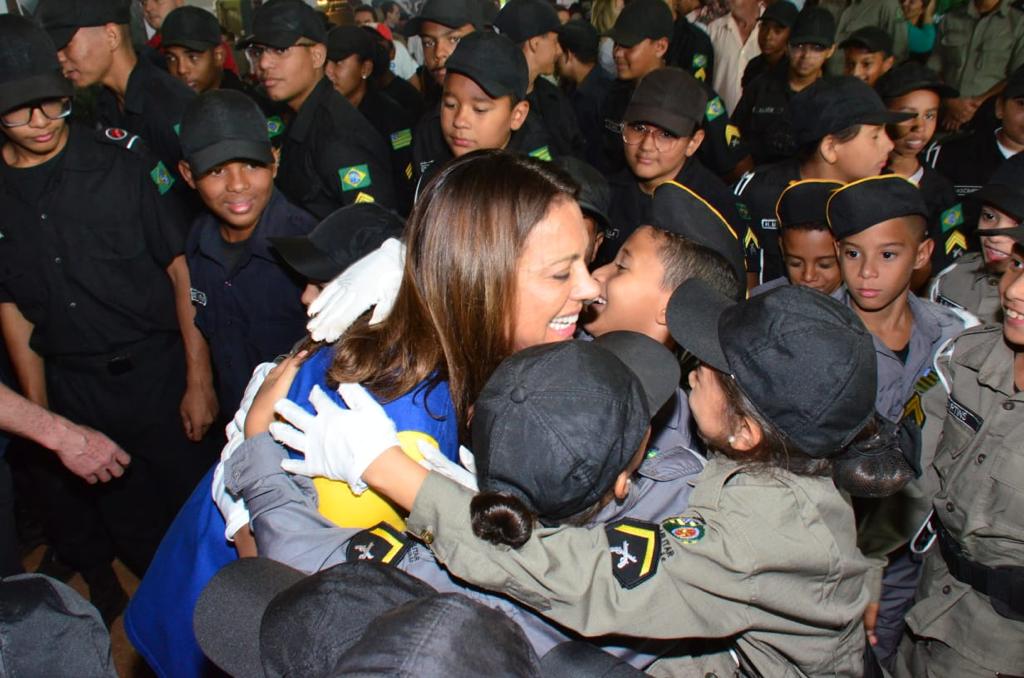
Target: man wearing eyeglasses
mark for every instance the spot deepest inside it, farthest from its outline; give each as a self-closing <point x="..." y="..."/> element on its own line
<point x="96" y="314"/>
<point x="94" y="47"/>
<point x="661" y="133"/>
<point x="331" y="155"/>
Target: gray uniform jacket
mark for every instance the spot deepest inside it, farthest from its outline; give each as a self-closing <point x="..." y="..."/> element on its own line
<point x="980" y="467"/>
<point x="768" y="560"/>
<point x="967" y="286"/>
<point x="289" y="528"/>
<point x="973" y="52"/>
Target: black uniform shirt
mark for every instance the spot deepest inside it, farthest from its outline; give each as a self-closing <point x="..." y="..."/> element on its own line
<point x="552" y="109"/>
<point x="947" y="225"/>
<point x="587" y="101"/>
<point x="407" y="96"/>
<point x="967" y="162"/>
<point x="332" y="156"/>
<point x="759" y="65"/>
<point x="395" y="125"/>
<point x="691" y="50"/>
<point x="631" y="207"/>
<point x="248" y="310"/>
<point x="759" y="192"/>
<point x="763" y="117"/>
<point x="87" y="263"/>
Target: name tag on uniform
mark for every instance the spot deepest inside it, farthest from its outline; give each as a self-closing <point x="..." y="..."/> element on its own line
<point x="946" y="301"/>
<point x="197" y="296"/>
<point x="963" y="415"/>
<point x="770" y="224"/>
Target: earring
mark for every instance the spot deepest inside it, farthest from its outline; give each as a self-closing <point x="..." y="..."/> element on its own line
<point x="365" y="77"/>
<point x="731" y="440"/>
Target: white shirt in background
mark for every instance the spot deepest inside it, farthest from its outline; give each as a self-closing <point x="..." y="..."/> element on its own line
<point x="731" y="58"/>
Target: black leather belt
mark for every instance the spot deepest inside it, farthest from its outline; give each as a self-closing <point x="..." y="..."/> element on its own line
<point x="1003" y="585"/>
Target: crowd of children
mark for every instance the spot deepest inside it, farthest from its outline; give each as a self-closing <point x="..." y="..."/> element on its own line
<point x="650" y="337"/>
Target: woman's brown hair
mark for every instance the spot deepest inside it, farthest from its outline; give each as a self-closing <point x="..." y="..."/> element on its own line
<point x="452" y="317"/>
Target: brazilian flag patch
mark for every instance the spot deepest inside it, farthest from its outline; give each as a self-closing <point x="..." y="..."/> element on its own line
<point x="635" y="549"/>
<point x="542" y="153"/>
<point x="275" y="125"/>
<point x="382" y="543"/>
<point x="355" y="177"/>
<point x="401" y="139"/>
<point x="714" y="109"/>
<point x="162" y="178"/>
<point x="699" y="61"/>
<point x="952" y="217"/>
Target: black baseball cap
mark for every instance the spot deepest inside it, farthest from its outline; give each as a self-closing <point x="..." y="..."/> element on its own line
<point x="859" y="205"/>
<point x="833" y="104"/>
<point x="641" y="20"/>
<point x="557" y="423"/>
<point x="595" y="195"/>
<point x="223" y="125"/>
<point x="342" y="238"/>
<point x="1005" y="189"/>
<point x="1014" y="85"/>
<point x="450" y="13"/>
<point x="29" y="70"/>
<point x="282" y="23"/>
<point x="579" y="37"/>
<point x="803" y="202"/>
<point x="768" y="342"/>
<point x="492" y="61"/>
<point x="521" y="20"/>
<point x="344" y="41"/>
<point x="670" y="98"/>
<point x="63" y="18"/>
<point x="678" y="209"/>
<point x="871" y="38"/>
<point x="813" y="26"/>
<point x="192" y="28"/>
<point x="910" y="76"/>
<point x="781" y="12"/>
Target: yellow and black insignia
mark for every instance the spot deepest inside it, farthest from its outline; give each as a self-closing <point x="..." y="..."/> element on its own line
<point x="635" y="548"/>
<point x="382" y="543"/>
<point x="913" y="408"/>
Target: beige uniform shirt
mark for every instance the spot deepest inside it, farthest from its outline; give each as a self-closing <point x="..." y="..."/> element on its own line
<point x="966" y="285"/>
<point x="980" y="468"/>
<point x="768" y="559"/>
<point x="973" y="52"/>
<point x="886" y="14"/>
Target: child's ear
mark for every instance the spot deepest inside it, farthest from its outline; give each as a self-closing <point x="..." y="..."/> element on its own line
<point x="319" y="54"/>
<point x="827" y="149"/>
<point x="186" y="173"/>
<point x="747" y="435"/>
<point x="662" y="317"/>
<point x="276" y="152"/>
<point x="696" y="139"/>
<point x="366" y="69"/>
<point x="924" y="253"/>
<point x="661" y="47"/>
<point x="621" y="487"/>
<point x="888" y="63"/>
<point x="218" y="55"/>
<point x="519" y="113"/>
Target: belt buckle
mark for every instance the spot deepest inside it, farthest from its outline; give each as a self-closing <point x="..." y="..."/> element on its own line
<point x="119" y="365"/>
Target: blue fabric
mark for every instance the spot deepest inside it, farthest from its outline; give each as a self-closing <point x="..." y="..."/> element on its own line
<point x="158" y="620"/>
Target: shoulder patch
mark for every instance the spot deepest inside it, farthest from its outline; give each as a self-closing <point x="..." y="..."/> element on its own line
<point x="741" y="209"/>
<point x="355" y="177"/>
<point x="275" y="125"/>
<point x="714" y="109"/>
<point x="750" y="241"/>
<point x="363" y="197"/>
<point x="161" y="177"/>
<point x="913" y="408"/>
<point x="123" y="138"/>
<point x="634" y="547"/>
<point x="926" y="381"/>
<point x="687" y="530"/>
<point x="542" y="153"/>
<point x="955" y="241"/>
<point x="700" y="74"/>
<point x="732" y="136"/>
<point x="382" y="543"/>
<point x="952" y="217"/>
<point x="197" y="297"/>
<point x="699" y="61"/>
<point x="401" y="139"/>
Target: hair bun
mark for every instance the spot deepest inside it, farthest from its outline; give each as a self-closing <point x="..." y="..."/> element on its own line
<point x="882" y="463"/>
<point x="501" y="519"/>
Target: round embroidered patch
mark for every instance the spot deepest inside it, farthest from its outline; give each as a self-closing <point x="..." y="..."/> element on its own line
<point x="686" y="530"/>
<point x="115" y="133"/>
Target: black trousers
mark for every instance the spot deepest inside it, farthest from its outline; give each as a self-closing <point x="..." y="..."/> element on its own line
<point x="136" y="403"/>
<point x="10" y="556"/>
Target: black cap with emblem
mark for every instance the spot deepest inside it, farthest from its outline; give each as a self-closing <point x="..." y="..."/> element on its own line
<point x="579" y="37"/>
<point x="492" y="61"/>
<point x="190" y="27"/>
<point x="642" y="20"/>
<point x="29" y="70"/>
<point x="282" y="23"/>
<point x="557" y="423"/>
<point x="813" y="26"/>
<point x="782" y="12"/>
<point x="223" y="125"/>
<point x="447" y="13"/>
<point x="911" y="76"/>
<point x="344" y="41"/>
<point x="803" y="202"/>
<point x="670" y="98"/>
<point x="63" y="18"/>
<point x="677" y="209"/>
<point x="521" y="20"/>
<point x="871" y="39"/>
<point x="831" y="105"/>
<point x="859" y="205"/>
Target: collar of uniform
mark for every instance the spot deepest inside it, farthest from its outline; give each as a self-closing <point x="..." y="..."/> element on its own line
<point x="135" y="93"/>
<point x="78" y="156"/>
<point x="273" y="218"/>
<point x="993" y="361"/>
<point x="973" y="12"/>
<point x="672" y="464"/>
<point x="304" y="118"/>
<point x="926" y="330"/>
<point x="710" y="483"/>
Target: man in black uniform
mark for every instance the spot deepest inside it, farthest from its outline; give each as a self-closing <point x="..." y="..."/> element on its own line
<point x="589" y="83"/>
<point x="94" y="47"/>
<point x="331" y="155"/>
<point x="440" y="25"/>
<point x="350" y="68"/>
<point x="969" y="161"/>
<point x="641" y="35"/>
<point x="691" y="50"/>
<point x="661" y="136"/>
<point x="533" y="25"/>
<point x="763" y="113"/>
<point x="95" y="308"/>
<point x="773" y="31"/>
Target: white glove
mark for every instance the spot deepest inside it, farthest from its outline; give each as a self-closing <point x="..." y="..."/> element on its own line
<point x="434" y="461"/>
<point x="338" y="444"/>
<point x="373" y="281"/>
<point x="467" y="459"/>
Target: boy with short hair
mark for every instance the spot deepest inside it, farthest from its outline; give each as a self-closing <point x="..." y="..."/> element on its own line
<point x="867" y="54"/>
<point x="589" y="83"/>
<point x="773" y="31"/>
<point x="247" y="305"/>
<point x="194" y="51"/>
<point x="440" y="25"/>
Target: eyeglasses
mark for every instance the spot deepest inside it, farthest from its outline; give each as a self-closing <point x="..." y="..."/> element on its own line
<point x="256" y="52"/>
<point x="634" y="134"/>
<point x="52" y="109"/>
